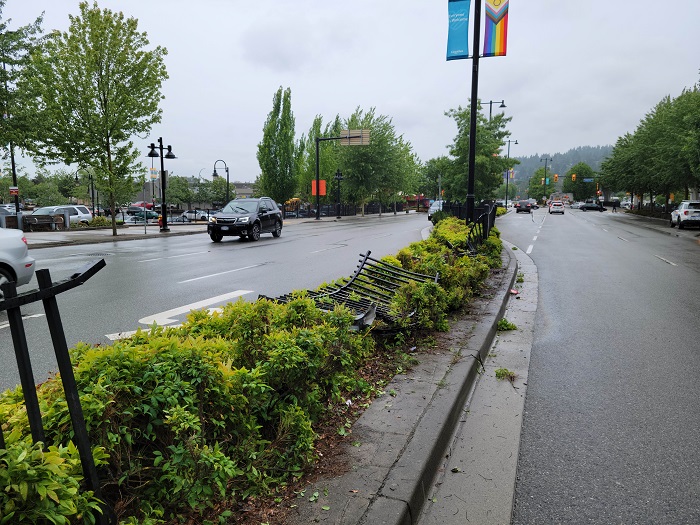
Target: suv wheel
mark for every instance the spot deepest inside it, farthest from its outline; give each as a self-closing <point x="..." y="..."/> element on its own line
<point x="673" y="224"/>
<point x="680" y="224"/>
<point x="216" y="236"/>
<point x="278" y="229"/>
<point x="255" y="232"/>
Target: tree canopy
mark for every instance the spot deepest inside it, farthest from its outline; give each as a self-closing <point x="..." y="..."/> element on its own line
<point x="92" y="89"/>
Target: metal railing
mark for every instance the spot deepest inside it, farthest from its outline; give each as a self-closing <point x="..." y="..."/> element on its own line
<point x="47" y="292"/>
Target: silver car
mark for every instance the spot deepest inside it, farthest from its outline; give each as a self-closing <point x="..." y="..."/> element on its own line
<point x="76" y="213"/>
<point x="15" y="263"/>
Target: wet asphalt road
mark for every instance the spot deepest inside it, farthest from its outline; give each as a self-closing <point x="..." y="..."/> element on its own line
<point x="612" y="423"/>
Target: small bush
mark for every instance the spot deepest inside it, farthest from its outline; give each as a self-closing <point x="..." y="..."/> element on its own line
<point x="505" y="325"/>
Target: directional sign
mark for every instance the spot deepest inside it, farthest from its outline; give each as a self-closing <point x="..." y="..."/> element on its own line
<point x="588" y="180"/>
<point x="354" y="137"/>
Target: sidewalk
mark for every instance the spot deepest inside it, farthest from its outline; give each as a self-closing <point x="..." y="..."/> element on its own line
<point x="47" y="239"/>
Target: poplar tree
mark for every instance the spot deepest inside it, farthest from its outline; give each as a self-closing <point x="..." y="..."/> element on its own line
<point x="276" y="152"/>
<point x="93" y="88"/>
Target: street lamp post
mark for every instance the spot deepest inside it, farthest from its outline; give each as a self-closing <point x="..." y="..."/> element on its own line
<point x="216" y="175"/>
<point x="338" y="178"/>
<point x="508" y="172"/>
<point x="92" y="187"/>
<point x="491" y="103"/>
<point x="546" y="159"/>
<point x="169" y="155"/>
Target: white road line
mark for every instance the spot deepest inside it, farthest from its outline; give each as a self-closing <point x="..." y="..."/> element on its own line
<point x="534" y="238"/>
<point x="529" y="249"/>
<point x="217" y="274"/>
<point x="163" y="318"/>
<point x="604" y="229"/>
<point x="172" y="257"/>
<point x="665" y="260"/>
<point x="7" y="325"/>
<point x="622" y="239"/>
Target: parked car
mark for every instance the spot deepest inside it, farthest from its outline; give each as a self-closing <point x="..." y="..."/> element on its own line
<point x="434" y="208"/>
<point x="78" y="214"/>
<point x="576" y="205"/>
<point x="592" y="205"/>
<point x="196" y="215"/>
<point x="141" y="204"/>
<point x="556" y="207"/>
<point x="150" y="215"/>
<point x="687" y="214"/>
<point x="15" y="263"/>
<point x="246" y="218"/>
<point x="524" y="206"/>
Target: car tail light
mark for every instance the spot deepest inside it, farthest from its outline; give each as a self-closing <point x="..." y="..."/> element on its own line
<point x="685" y="212"/>
<point x="24" y="240"/>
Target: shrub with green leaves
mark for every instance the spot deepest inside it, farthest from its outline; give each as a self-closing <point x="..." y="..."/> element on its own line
<point x="188" y="422"/>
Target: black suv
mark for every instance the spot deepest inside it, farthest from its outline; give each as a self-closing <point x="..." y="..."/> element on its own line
<point x="246" y="218"/>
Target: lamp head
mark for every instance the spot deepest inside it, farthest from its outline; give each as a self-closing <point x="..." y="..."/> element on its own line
<point x="516" y="141"/>
<point x="153" y="152"/>
<point x="214" y="174"/>
<point x="503" y="104"/>
<point x="170" y="154"/>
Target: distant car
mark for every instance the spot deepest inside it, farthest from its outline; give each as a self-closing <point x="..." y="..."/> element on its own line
<point x="15" y="263"/>
<point x="150" y="215"/>
<point x="523" y="206"/>
<point x="576" y="205"/>
<point x="141" y="204"/>
<point x="434" y="208"/>
<point x="78" y="213"/>
<point x="556" y="207"/>
<point x="687" y="214"/>
<point x="592" y="205"/>
<point x="196" y="215"/>
<point x="246" y="218"/>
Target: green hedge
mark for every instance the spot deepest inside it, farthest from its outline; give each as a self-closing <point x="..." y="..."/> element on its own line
<point x="187" y="422"/>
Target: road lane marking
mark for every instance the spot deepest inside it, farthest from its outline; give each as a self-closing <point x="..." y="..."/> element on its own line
<point x="218" y="274"/>
<point x="529" y="249"/>
<point x="7" y="324"/>
<point x="163" y="318"/>
<point x="622" y="238"/>
<point x="534" y="238"/>
<point x="665" y="260"/>
<point x="172" y="257"/>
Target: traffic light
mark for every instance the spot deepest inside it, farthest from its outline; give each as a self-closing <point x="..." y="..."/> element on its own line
<point x="573" y="177"/>
<point x="556" y="177"/>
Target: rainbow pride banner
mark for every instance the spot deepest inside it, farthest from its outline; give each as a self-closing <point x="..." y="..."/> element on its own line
<point x="496" y="28"/>
<point x="458" y="29"/>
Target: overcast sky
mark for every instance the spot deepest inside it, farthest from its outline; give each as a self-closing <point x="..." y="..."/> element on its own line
<point x="576" y="73"/>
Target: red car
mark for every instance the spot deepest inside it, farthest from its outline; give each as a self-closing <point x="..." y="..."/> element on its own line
<point x="141" y="204"/>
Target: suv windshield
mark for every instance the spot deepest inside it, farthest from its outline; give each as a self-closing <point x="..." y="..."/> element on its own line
<point x="242" y="206"/>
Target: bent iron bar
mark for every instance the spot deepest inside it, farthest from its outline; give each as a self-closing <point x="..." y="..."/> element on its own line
<point x="367" y="293"/>
<point x="47" y="294"/>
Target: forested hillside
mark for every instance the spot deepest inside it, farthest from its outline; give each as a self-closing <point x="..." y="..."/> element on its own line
<point x="562" y="162"/>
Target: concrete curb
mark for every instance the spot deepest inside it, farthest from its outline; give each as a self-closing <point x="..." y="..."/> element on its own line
<point x="402" y="437"/>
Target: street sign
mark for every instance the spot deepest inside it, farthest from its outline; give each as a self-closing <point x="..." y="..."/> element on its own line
<point x="354" y="137"/>
<point x="14" y="190"/>
<point x="588" y="180"/>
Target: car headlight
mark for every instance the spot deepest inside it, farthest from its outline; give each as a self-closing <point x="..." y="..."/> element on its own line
<point x="212" y="220"/>
<point x="244" y="219"/>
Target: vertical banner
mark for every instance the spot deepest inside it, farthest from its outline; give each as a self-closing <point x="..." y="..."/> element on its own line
<point x="458" y="29"/>
<point x="496" y="28"/>
<point x="511" y="173"/>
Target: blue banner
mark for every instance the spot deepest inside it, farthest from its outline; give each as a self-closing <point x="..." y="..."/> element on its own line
<point x="458" y="32"/>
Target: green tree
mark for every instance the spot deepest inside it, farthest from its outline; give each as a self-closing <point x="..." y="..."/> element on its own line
<point x="276" y="151"/>
<point x="490" y="165"/>
<point x="579" y="188"/>
<point x="94" y="88"/>
<point x="178" y="191"/>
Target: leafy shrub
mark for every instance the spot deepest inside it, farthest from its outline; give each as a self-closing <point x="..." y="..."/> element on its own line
<point x="100" y="222"/>
<point x="198" y="418"/>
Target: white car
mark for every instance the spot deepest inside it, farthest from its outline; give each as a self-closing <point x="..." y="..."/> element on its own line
<point x="687" y="214"/>
<point x="15" y="263"/>
<point x="436" y="206"/>
<point x="78" y="214"/>
<point x="196" y="215"/>
<point x="556" y="207"/>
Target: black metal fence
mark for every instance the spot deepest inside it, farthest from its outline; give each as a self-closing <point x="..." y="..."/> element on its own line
<point x="47" y="292"/>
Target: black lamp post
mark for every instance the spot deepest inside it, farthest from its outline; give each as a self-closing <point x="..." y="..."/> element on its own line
<point x="163" y="204"/>
<point x="546" y="159"/>
<point x="508" y="172"/>
<point x="92" y="187"/>
<point x="491" y="103"/>
<point x="216" y="175"/>
<point x="338" y="178"/>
